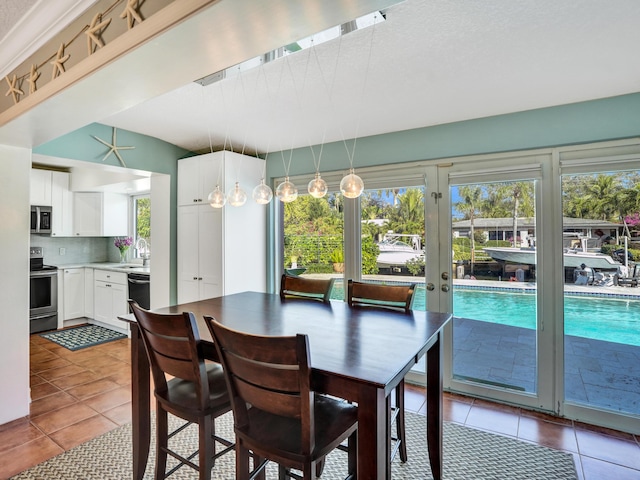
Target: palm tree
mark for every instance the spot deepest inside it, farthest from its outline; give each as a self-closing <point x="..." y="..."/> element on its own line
<point x="472" y="201"/>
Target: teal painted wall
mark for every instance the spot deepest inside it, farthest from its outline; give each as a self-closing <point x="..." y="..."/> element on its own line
<point x="150" y="154"/>
<point x="585" y="122"/>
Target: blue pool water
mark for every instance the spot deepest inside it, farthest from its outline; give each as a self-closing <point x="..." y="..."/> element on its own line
<point x="608" y="319"/>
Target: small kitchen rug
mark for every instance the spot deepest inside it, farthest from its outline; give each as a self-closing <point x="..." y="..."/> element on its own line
<point x="82" y="337"/>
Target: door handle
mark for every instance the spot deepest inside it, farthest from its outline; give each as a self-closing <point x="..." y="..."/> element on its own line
<point x="430" y="287"/>
<point x="445" y="275"/>
<point x="444" y="288"/>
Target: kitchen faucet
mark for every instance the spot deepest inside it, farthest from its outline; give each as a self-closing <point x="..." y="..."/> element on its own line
<point x="143" y="250"/>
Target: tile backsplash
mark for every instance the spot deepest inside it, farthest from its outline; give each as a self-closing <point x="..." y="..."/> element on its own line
<point x="76" y="249"/>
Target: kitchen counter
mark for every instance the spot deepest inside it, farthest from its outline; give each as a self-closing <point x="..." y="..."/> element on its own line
<point x="114" y="267"/>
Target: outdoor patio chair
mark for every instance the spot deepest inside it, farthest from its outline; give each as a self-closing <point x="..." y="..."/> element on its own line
<point x="196" y="391"/>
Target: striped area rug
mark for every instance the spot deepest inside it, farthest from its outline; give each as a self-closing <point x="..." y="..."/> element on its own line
<point x="468" y="455"/>
<point x="84" y="336"/>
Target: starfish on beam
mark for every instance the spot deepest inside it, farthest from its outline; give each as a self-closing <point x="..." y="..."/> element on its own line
<point x="131" y="14"/>
<point x="113" y="148"/>
<point x="58" y="62"/>
<point x="13" y="89"/>
<point x="94" y="31"/>
<point x="33" y="77"/>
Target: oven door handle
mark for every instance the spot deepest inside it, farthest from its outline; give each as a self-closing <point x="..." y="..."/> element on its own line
<point x="46" y="315"/>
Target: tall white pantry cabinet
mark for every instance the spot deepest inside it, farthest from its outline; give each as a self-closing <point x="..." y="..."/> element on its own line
<point x="220" y="251"/>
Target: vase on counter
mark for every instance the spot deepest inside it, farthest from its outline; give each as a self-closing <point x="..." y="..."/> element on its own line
<point x="123" y="256"/>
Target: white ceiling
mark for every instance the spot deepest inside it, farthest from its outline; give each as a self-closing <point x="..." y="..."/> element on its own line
<point x="431" y="62"/>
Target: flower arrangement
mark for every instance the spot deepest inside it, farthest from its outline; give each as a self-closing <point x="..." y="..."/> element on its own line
<point x="123" y="244"/>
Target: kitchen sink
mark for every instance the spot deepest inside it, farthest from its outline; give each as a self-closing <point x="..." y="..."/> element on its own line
<point x="129" y="266"/>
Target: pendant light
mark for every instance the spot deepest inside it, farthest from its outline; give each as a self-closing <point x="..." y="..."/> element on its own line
<point x="352" y="185"/>
<point x="217" y="198"/>
<point x="287" y="191"/>
<point x="262" y="193"/>
<point x="317" y="187"/>
<point x="237" y="197"/>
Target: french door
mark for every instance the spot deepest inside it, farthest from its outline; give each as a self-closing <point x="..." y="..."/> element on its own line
<point x="487" y="272"/>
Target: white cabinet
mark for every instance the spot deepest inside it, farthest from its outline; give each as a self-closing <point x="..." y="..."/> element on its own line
<point x="200" y="253"/>
<point x="74" y="295"/>
<point x="197" y="178"/>
<point x="220" y="251"/>
<point x="98" y="214"/>
<point x="62" y="205"/>
<point x="110" y="299"/>
<point x="40" y="187"/>
<point x="88" y="292"/>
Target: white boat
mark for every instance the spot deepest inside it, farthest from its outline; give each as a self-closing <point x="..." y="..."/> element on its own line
<point x="572" y="257"/>
<point x="396" y="253"/>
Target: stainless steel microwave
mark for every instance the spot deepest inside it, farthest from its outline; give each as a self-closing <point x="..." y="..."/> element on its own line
<point x="40" y="219"/>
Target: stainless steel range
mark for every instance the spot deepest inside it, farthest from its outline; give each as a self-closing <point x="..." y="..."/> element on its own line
<point x="43" y="293"/>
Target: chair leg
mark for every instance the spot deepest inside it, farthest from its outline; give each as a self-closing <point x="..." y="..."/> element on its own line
<point x="205" y="427"/>
<point x="320" y="466"/>
<point x="162" y="440"/>
<point x="352" y="454"/>
<point x="242" y="462"/>
<point x="400" y="422"/>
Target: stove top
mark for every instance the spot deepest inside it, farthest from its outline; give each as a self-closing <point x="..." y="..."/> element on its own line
<point x="36" y="260"/>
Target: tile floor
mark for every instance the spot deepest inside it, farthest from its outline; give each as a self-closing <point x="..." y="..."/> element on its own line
<point x="79" y="395"/>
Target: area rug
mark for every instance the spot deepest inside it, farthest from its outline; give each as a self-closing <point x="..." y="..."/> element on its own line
<point x="468" y="455"/>
<point x="82" y="337"/>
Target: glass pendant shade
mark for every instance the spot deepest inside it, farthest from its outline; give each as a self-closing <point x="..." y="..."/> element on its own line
<point x="317" y="187"/>
<point x="217" y="198"/>
<point x="262" y="194"/>
<point x="287" y="191"/>
<point x="351" y="185"/>
<point x="237" y="197"/>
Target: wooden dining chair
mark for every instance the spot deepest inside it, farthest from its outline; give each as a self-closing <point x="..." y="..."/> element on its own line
<point x="277" y="416"/>
<point x="292" y="286"/>
<point x="195" y="391"/>
<point x="393" y="297"/>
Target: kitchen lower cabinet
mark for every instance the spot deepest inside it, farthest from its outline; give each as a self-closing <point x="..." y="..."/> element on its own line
<point x="74" y="294"/>
<point x="110" y="299"/>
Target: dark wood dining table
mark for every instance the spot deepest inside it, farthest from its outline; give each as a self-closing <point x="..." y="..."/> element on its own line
<point x="359" y="354"/>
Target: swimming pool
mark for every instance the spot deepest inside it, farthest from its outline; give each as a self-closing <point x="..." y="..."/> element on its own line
<point x="611" y="320"/>
<point x="608" y="319"/>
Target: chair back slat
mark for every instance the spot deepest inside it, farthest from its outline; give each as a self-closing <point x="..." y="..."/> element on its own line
<point x="311" y="288"/>
<point x="397" y="297"/>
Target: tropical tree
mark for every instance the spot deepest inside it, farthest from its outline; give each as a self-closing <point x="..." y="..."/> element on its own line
<point x="472" y="198"/>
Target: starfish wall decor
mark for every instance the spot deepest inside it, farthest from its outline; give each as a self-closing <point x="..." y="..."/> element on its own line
<point x="13" y="89"/>
<point x="94" y="31"/>
<point x="131" y="14"/>
<point x="113" y="148"/>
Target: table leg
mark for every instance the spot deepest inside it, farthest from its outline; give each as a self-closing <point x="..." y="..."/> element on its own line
<point x="434" y="407"/>
<point x="372" y="434"/>
<point x="140" y="407"/>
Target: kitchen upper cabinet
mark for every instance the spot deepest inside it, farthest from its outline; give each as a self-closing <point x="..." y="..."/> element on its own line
<point x="196" y="179"/>
<point x="221" y="251"/>
<point x="62" y="205"/>
<point x="40" y="192"/>
<point x="110" y="298"/>
<point x="74" y="293"/>
<point x="100" y="214"/>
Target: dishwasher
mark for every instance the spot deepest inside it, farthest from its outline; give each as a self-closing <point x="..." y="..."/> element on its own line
<point x="139" y="289"/>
